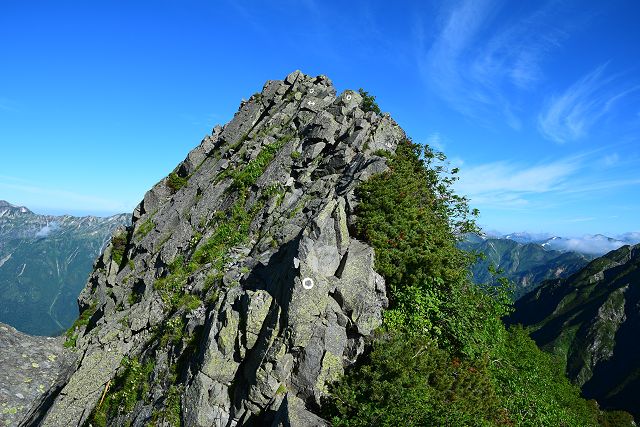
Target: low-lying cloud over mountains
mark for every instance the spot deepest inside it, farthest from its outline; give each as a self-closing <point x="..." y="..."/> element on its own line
<point x="589" y="244"/>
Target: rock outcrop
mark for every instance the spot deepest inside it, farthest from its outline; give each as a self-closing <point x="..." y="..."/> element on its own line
<point x="241" y="290"/>
<point x="29" y="367"/>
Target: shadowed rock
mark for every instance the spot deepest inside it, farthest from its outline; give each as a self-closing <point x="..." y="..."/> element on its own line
<point x="242" y="290"/>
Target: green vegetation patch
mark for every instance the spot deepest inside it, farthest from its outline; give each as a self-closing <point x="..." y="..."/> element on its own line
<point x="82" y="320"/>
<point x="408" y="381"/>
<point x="130" y="386"/>
<point x="368" y="102"/>
<point x="170" y="414"/>
<point x="145" y="228"/>
<point x="411" y="217"/>
<point x="118" y="246"/>
<point x="175" y="182"/>
<point x="443" y="355"/>
<point x="248" y="175"/>
<point x="230" y="229"/>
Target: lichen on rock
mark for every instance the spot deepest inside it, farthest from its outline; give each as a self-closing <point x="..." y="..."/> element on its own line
<point x="240" y="286"/>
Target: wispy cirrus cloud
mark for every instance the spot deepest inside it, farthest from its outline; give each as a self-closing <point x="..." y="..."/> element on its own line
<point x="435" y="141"/>
<point x="475" y="64"/>
<point x="507" y="184"/>
<point x="515" y="185"/>
<point x="570" y="115"/>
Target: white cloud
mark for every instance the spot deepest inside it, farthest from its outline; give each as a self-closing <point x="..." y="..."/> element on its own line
<point x="47" y="229"/>
<point x="506" y="184"/>
<point x="632" y="237"/>
<point x="474" y="63"/>
<point x="589" y="244"/>
<point x="570" y="115"/>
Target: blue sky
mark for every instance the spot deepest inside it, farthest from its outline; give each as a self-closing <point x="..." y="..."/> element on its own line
<point x="536" y="102"/>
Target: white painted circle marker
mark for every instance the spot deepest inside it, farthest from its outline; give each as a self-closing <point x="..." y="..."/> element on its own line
<point x="348" y="97"/>
<point x="307" y="283"/>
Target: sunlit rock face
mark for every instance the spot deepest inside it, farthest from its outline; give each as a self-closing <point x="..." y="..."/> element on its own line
<point x="240" y="291"/>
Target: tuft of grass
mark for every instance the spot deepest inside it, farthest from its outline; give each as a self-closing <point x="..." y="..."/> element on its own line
<point x="383" y="153"/>
<point x="145" y="228"/>
<point x="173" y="331"/>
<point x="128" y="387"/>
<point x="118" y="246"/>
<point x="175" y="182"/>
<point x="82" y="320"/>
<point x="248" y="175"/>
<point x="171" y="413"/>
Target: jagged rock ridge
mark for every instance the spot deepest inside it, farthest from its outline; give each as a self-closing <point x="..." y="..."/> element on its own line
<point x="591" y="320"/>
<point x="240" y="291"/>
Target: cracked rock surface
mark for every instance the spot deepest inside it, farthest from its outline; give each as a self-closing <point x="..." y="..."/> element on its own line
<point x="29" y="366"/>
<point x="241" y="290"/>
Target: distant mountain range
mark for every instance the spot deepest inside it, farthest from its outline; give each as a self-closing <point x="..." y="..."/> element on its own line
<point x="525" y="264"/>
<point x="590" y="244"/>
<point x="44" y="264"/>
<point x="591" y="321"/>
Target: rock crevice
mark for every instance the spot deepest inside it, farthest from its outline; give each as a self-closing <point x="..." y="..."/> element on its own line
<point x="242" y="285"/>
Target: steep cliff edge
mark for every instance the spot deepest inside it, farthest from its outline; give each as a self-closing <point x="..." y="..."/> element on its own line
<point x="239" y="291"/>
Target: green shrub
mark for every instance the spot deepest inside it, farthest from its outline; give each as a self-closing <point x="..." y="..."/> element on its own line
<point x="445" y="357"/>
<point x="408" y="381"/>
<point x="118" y="246"/>
<point x="368" y="102"/>
<point x="175" y="182"/>
<point x="411" y="217"/>
<point x="533" y="388"/>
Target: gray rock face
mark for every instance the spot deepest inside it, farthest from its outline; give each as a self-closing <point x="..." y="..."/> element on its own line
<point x="242" y="287"/>
<point x="29" y="367"/>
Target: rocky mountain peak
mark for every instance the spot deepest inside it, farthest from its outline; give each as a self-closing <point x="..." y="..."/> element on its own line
<point x="8" y="210"/>
<point x="240" y="290"/>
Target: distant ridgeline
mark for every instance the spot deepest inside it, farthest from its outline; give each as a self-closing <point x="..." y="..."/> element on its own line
<point x="526" y="264"/>
<point x="44" y="264"/>
<point x="301" y="268"/>
<point x="591" y="321"/>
